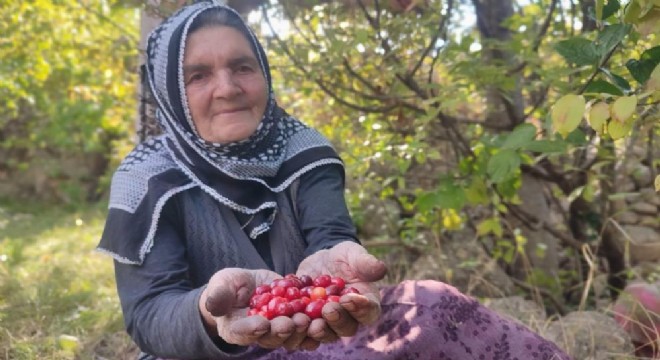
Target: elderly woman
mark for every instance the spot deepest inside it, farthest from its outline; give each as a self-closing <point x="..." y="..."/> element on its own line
<point x="237" y="193"/>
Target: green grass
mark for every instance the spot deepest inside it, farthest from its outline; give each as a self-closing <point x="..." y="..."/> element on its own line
<point x="57" y="295"/>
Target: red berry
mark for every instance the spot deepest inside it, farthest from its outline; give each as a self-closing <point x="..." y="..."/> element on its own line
<point x="322" y="280"/>
<point x="318" y="293"/>
<point x="292" y="293"/>
<point x="341" y="283"/>
<point x="262" y="289"/>
<point x="257" y="301"/>
<point x="274" y="302"/>
<point x="287" y="283"/>
<point x="349" y="290"/>
<point x="306" y="291"/>
<point x="333" y="298"/>
<point x="278" y="291"/>
<point x="333" y="290"/>
<point x="298" y="305"/>
<point x="306" y="280"/>
<point x="252" y="312"/>
<point x="313" y="310"/>
<point x="284" y="309"/>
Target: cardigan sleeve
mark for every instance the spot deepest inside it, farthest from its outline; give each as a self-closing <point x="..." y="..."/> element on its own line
<point x="321" y="209"/>
<point x="160" y="305"/>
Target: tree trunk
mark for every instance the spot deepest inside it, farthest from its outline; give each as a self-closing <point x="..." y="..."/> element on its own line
<point x="505" y="110"/>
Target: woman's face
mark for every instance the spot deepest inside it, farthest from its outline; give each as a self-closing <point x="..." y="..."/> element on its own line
<point x="225" y="86"/>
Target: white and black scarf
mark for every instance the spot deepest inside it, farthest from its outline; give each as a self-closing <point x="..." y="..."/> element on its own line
<point x="244" y="176"/>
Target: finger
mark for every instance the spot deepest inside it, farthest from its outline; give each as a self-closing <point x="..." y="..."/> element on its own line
<point x="339" y="320"/>
<point x="309" y="344"/>
<point x="367" y="267"/>
<point x="281" y="328"/>
<point x="228" y="289"/>
<point x="321" y="332"/>
<point x="301" y="323"/>
<point x="363" y="308"/>
<point x="245" y="331"/>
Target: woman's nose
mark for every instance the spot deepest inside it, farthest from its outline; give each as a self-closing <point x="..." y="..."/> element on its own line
<point x="225" y="85"/>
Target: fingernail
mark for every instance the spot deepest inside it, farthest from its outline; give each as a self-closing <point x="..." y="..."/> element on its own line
<point x="349" y="305"/>
<point x="284" y="335"/>
<point x="260" y="332"/>
<point x="331" y="315"/>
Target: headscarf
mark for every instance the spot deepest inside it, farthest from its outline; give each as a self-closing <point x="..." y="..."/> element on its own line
<point x="244" y="176"/>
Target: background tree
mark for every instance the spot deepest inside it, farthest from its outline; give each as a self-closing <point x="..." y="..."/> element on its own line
<point x="455" y="123"/>
<point x="66" y="95"/>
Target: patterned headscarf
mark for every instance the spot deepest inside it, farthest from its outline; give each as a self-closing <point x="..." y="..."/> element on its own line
<point x="244" y="176"/>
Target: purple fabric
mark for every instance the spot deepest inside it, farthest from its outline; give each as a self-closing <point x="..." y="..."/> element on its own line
<point x="431" y="320"/>
<point x="434" y="321"/>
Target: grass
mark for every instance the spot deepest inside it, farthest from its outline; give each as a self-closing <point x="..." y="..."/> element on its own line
<point x="57" y="295"/>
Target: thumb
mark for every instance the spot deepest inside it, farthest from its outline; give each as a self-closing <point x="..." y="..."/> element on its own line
<point x="228" y="289"/>
<point x="367" y="267"/>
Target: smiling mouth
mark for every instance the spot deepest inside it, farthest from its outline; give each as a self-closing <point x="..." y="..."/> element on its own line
<point x="231" y="111"/>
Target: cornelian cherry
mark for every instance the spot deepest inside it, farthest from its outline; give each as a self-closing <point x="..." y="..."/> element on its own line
<point x="297" y="294"/>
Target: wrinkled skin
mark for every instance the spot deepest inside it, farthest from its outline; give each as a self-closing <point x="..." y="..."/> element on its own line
<point x="224" y="302"/>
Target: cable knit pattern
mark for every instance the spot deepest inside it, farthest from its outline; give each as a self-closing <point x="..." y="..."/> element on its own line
<point x="215" y="239"/>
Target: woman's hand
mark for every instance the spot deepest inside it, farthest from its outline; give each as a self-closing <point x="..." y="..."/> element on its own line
<point x="224" y="303"/>
<point x="360" y="269"/>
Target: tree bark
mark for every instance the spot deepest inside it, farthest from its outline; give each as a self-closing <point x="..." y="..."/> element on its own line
<point x="505" y="110"/>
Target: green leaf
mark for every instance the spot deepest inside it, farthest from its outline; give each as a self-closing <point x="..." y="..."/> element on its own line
<point x="578" y="51"/>
<point x="599" y="9"/>
<point x="477" y="192"/>
<point x="611" y="8"/>
<point x="610" y="37"/>
<point x="602" y="87"/>
<point x="521" y="135"/>
<point x="489" y="226"/>
<point x="577" y="137"/>
<point x="426" y="202"/>
<point x="620" y="82"/>
<point x="641" y="69"/>
<point x="567" y="113"/>
<point x="448" y="196"/>
<point x="503" y="165"/>
<point x="546" y="146"/>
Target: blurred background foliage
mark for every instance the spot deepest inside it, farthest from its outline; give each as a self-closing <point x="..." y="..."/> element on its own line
<point x="67" y="95"/>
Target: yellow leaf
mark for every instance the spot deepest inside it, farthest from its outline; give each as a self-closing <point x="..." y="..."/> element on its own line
<point x="623" y="108"/>
<point x="598" y="115"/>
<point x="649" y="23"/>
<point x="657" y="183"/>
<point x="450" y="219"/>
<point x="653" y="83"/>
<point x="567" y="113"/>
<point x="618" y="130"/>
<point x="632" y="12"/>
<point x="68" y="343"/>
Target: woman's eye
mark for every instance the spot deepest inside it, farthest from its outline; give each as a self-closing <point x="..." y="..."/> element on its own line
<point x="245" y="69"/>
<point x="195" y="77"/>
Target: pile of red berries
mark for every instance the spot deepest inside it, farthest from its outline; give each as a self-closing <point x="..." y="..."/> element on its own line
<point x="293" y="294"/>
